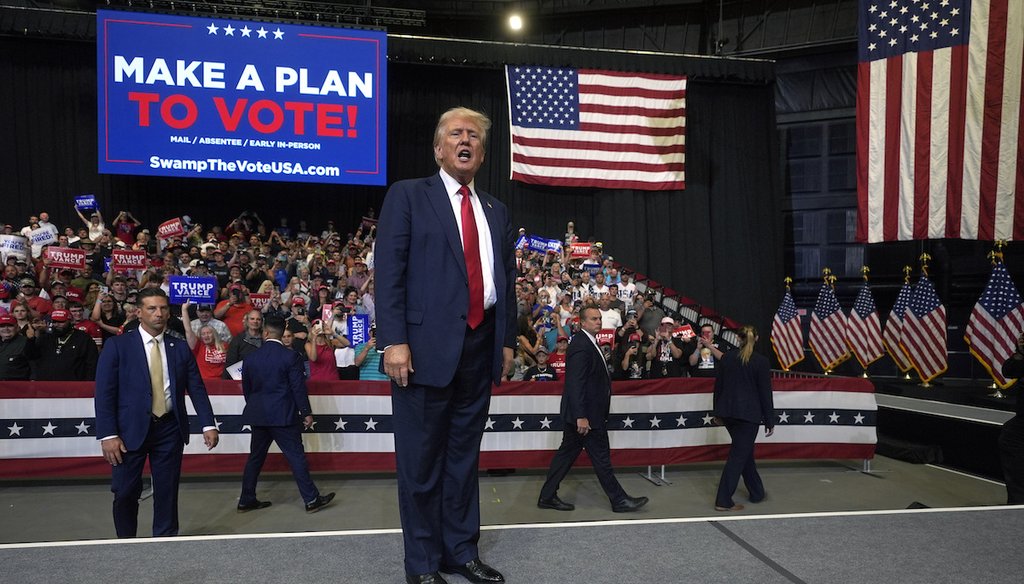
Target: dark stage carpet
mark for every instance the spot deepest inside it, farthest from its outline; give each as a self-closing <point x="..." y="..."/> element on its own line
<point x="926" y="546"/>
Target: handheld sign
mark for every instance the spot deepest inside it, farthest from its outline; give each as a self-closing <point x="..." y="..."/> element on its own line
<point x="235" y="371"/>
<point x="522" y="242"/>
<point x="127" y="259"/>
<point x="358" y="329"/>
<point x="198" y="289"/>
<point x="327" y="310"/>
<point x="605" y="337"/>
<point x="684" y="332"/>
<point x="579" y="250"/>
<point x="170" y="228"/>
<point x="65" y="257"/>
<point x="13" y="246"/>
<point x="259" y="301"/>
<point x="86" y="203"/>
<point x="43" y="236"/>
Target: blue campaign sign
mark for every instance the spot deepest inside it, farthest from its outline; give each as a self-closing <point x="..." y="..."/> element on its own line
<point x="240" y="99"/>
<point x="86" y="203"/>
<point x="198" y="289"/>
<point x="358" y="329"/>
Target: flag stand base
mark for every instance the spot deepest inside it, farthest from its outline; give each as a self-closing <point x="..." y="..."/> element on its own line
<point x="906" y="377"/>
<point x="996" y="394"/>
<point x="865" y="374"/>
<point x="925" y="385"/>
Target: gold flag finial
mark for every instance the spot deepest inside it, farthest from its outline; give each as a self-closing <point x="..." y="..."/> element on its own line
<point x="787" y="281"/>
<point x="864" y="270"/>
<point x="906" y="274"/>
<point x="925" y="258"/>
<point x="996" y="255"/>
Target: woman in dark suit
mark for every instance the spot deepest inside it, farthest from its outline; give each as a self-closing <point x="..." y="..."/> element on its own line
<point x="743" y="401"/>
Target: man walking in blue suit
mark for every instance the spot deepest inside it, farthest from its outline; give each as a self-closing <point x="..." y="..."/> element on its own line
<point x="141" y="381"/>
<point x="445" y="277"/>
<point x="274" y="385"/>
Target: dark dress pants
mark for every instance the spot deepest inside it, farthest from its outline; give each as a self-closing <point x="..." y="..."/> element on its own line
<point x="437" y="454"/>
<point x="1011" y="452"/>
<point x="289" y="440"/>
<point x="740" y="462"/>
<point x="163" y="446"/>
<point x="596" y="444"/>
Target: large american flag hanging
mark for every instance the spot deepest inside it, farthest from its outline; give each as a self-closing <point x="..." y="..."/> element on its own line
<point x="939" y="114"/>
<point x="787" y="336"/>
<point x="894" y="328"/>
<point x="864" y="330"/>
<point x="924" y="331"/>
<point x="828" y="330"/>
<point x="996" y="322"/>
<point x="593" y="128"/>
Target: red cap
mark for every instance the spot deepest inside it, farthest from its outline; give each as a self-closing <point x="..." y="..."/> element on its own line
<point x="7" y="319"/>
<point x="562" y="338"/>
<point x="298" y="301"/>
<point x="74" y="294"/>
<point x="60" y="315"/>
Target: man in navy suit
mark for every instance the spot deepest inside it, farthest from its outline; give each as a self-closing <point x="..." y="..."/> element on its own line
<point x="141" y="381"/>
<point x="445" y="277"/>
<point x="274" y="385"/>
<point x="586" y="401"/>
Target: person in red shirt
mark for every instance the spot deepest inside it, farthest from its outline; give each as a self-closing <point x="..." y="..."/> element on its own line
<point x="84" y="324"/>
<point x="37" y="306"/>
<point x="557" y="359"/>
<point x="210" y="352"/>
<point x="233" y="309"/>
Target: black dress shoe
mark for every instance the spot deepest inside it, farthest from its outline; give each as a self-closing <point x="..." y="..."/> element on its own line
<point x="629" y="504"/>
<point x="431" y="578"/>
<point x="243" y="507"/>
<point x="555" y="503"/>
<point x="475" y="571"/>
<point x="319" y="503"/>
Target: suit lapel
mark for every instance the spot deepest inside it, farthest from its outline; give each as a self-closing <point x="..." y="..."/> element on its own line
<point x="137" y="351"/>
<point x="442" y="205"/>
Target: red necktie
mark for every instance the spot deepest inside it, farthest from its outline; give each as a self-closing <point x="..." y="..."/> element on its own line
<point x="474" y="270"/>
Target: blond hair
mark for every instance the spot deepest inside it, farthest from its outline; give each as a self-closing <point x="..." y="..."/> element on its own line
<point x="481" y="120"/>
<point x="748" y="336"/>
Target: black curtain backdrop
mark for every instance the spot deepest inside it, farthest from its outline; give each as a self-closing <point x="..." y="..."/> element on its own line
<point x="719" y="241"/>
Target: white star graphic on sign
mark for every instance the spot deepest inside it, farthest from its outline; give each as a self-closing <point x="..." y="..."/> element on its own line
<point x="229" y="30"/>
<point x="808" y="417"/>
<point x="680" y="421"/>
<point x="312" y="426"/>
<point x="489" y="425"/>
<point x="278" y="35"/>
<point x="546" y="423"/>
<point x="340" y="424"/>
<point x="15" y="429"/>
<point x="371" y="424"/>
<point x="784" y="418"/>
<point x="833" y="418"/>
<point x="246" y="31"/>
<point x="628" y="422"/>
<point x="517" y="424"/>
<point x="707" y="419"/>
<point x="655" y="422"/>
<point x="83" y="428"/>
<point x="217" y="423"/>
<point x="49" y="428"/>
<point x="212" y="28"/>
<point x="858" y="419"/>
<point x="262" y="33"/>
<point x="246" y="427"/>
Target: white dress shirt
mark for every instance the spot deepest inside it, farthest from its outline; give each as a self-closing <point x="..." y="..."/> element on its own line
<point x="483" y="228"/>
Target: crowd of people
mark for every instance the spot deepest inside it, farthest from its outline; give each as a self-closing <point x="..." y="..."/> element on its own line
<point x="55" y="321"/>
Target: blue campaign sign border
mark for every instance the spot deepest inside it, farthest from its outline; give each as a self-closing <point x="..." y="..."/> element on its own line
<point x="233" y="130"/>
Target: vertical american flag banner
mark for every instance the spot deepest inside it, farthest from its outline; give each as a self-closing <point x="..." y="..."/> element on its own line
<point x="924" y="331"/>
<point x="787" y="336"/>
<point x="593" y="128"/>
<point x="893" y="331"/>
<point x="864" y="330"/>
<point x="996" y="322"/>
<point x="939" y="113"/>
<point x="828" y="330"/>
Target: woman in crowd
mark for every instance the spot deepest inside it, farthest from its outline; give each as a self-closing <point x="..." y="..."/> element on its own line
<point x="92" y="293"/>
<point x="211" y="353"/>
<point x="320" y="350"/>
<point x="529" y="340"/>
<point x="322" y="298"/>
<point x="742" y="402"/>
<point x="20" y="314"/>
<point x="109" y="315"/>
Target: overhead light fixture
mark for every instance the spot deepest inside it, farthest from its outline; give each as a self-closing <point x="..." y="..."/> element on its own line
<point x="515" y="22"/>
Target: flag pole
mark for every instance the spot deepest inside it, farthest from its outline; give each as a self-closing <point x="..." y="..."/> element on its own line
<point x="996" y="256"/>
<point x="925" y="258"/>
<point x="864" y="270"/>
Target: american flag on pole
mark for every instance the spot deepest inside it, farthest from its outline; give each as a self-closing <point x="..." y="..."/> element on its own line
<point x="940" y="141"/>
<point x="996" y="322"/>
<point x="593" y="128"/>
<point x="894" y="328"/>
<point x="924" y="331"/>
<point x="828" y="330"/>
<point x="864" y="330"/>
<point x="787" y="336"/>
